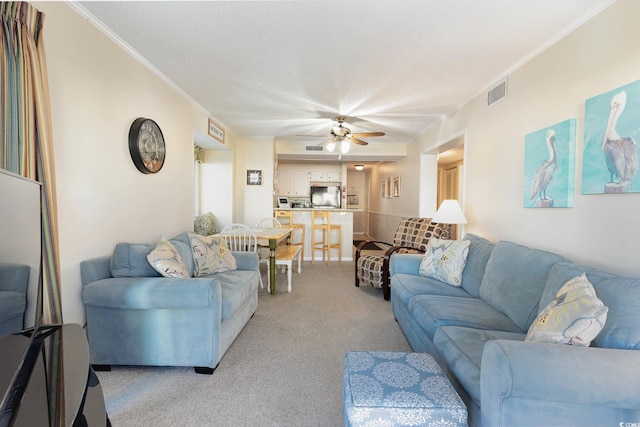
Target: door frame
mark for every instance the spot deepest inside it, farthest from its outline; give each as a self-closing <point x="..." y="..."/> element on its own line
<point x="428" y="189"/>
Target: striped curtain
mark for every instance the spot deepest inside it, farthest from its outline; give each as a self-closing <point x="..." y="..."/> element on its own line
<point x="26" y="144"/>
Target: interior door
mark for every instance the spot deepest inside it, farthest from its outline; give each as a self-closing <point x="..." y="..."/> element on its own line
<point x="449" y="181"/>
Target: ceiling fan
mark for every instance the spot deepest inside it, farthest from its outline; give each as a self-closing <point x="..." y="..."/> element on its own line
<point x="341" y="135"/>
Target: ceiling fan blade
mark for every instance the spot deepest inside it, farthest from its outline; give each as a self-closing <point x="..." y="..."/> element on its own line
<point x="358" y="141"/>
<point x="367" y="134"/>
<point x="314" y="136"/>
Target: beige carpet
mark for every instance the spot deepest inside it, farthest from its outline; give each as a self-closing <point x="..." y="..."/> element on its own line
<point x="284" y="369"/>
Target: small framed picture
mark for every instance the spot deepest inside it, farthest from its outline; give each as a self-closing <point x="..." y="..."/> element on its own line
<point x="254" y="177"/>
<point x="395" y="187"/>
<point x="216" y="131"/>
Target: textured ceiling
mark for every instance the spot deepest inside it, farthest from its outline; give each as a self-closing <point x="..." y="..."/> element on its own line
<point x="282" y="68"/>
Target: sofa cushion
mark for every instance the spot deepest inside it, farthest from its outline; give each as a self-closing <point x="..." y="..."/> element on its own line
<point x="235" y="286"/>
<point x="575" y="316"/>
<point x="434" y="311"/>
<point x="444" y="260"/>
<point x="183" y="245"/>
<point x="621" y="296"/>
<point x="514" y="280"/>
<point x="130" y="260"/>
<point x="479" y="253"/>
<point x="406" y="286"/>
<point x="461" y="348"/>
<point x="205" y="225"/>
<point x="211" y="255"/>
<point x="12" y="304"/>
<point x="166" y="260"/>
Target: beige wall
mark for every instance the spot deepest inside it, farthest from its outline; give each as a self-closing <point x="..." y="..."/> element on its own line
<point x="600" y="230"/>
<point x="97" y="90"/>
<point x="253" y="202"/>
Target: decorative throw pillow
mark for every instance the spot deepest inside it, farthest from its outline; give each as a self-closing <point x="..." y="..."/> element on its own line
<point x="166" y="260"/>
<point x="575" y="316"/>
<point x="444" y="260"/>
<point x="210" y="255"/>
<point x="205" y="225"/>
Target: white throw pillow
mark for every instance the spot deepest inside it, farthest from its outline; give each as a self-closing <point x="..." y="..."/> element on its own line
<point x="575" y="316"/>
<point x="445" y="260"/>
<point x="166" y="260"/>
<point x="210" y="255"/>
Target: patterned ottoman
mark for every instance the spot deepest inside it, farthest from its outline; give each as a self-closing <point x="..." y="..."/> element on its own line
<point x="383" y="388"/>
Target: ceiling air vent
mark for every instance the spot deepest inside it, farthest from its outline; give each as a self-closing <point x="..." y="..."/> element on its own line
<point x="314" y="148"/>
<point x="497" y="93"/>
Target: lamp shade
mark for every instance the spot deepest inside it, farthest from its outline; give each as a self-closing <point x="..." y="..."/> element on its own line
<point x="449" y="212"/>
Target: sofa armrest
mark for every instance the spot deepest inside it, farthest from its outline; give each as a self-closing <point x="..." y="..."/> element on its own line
<point x="95" y="269"/>
<point x="247" y="260"/>
<point x="405" y="264"/>
<point x="14" y="277"/>
<point x="550" y="384"/>
<point x="153" y="293"/>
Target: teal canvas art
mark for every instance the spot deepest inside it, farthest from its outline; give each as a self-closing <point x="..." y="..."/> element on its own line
<point x="612" y="129"/>
<point x="549" y="166"/>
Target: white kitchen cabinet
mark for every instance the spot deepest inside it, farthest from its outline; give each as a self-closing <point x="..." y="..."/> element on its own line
<point x="316" y="176"/>
<point x="284" y="183"/>
<point x="300" y="183"/>
<point x="333" y="176"/>
<point x="326" y="176"/>
<point x="293" y="183"/>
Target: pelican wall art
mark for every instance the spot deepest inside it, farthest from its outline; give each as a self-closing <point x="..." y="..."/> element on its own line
<point x="549" y="162"/>
<point x="611" y="135"/>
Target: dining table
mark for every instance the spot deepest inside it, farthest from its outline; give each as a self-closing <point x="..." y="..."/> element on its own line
<point x="270" y="237"/>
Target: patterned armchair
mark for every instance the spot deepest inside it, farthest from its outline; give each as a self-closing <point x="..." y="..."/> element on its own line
<point x="412" y="236"/>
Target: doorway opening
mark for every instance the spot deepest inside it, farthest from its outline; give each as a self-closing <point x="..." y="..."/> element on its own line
<point x="442" y="175"/>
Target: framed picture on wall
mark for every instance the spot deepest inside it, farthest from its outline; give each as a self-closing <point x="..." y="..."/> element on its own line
<point x="395" y="186"/>
<point x="383" y="189"/>
<point x="216" y="131"/>
<point x="611" y="135"/>
<point x="254" y="177"/>
<point x="549" y="161"/>
<point x="387" y="188"/>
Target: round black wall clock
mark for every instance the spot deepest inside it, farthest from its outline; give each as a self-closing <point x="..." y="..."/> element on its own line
<point x="146" y="145"/>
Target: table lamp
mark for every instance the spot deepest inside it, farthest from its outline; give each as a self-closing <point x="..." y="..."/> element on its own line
<point x="449" y="212"/>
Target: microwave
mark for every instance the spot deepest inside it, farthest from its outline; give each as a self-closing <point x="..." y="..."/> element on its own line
<point x="325" y="196"/>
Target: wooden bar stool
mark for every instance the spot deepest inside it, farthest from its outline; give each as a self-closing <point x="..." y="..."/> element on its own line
<point x="321" y="220"/>
<point x="288" y="215"/>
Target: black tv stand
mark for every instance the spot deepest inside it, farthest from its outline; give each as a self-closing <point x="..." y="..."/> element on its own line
<point x="46" y="380"/>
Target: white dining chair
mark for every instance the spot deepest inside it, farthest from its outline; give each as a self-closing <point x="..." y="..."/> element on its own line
<point x="241" y="238"/>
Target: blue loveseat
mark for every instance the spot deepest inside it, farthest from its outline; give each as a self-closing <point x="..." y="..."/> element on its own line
<point x="137" y="317"/>
<point x="14" y="280"/>
<point x="476" y="333"/>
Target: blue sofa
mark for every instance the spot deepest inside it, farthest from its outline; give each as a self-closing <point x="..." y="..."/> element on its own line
<point x="136" y="317"/>
<point x="476" y="333"/>
<point x="14" y="280"/>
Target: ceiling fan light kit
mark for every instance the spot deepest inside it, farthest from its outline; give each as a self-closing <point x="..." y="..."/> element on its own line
<point x="345" y="146"/>
<point x="341" y="135"/>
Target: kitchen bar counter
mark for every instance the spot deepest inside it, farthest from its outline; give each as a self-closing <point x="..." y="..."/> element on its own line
<point x="319" y="209"/>
<point x="343" y="217"/>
